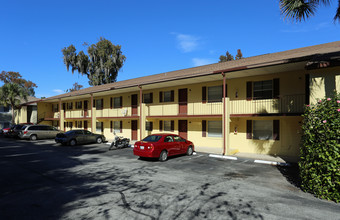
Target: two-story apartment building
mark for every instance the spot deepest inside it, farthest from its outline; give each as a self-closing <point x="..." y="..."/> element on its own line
<point x="252" y="105"/>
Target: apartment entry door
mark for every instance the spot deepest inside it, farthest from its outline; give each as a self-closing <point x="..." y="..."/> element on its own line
<point x="134" y="104"/>
<point x="134" y="128"/>
<point x="183" y="101"/>
<point x="183" y="128"/>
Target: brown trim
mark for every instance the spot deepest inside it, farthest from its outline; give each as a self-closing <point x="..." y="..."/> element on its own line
<point x="124" y="117"/>
<point x="121" y="126"/>
<point x="276" y="88"/>
<point x="266" y="115"/>
<point x="172" y="95"/>
<point x="249" y="129"/>
<point x="186" y="116"/>
<point x="111" y="126"/>
<point x="204" y="94"/>
<point x="249" y="90"/>
<point x="307" y="89"/>
<point x="204" y="128"/>
<point x="160" y="97"/>
<point x="87" y="118"/>
<point x="160" y="125"/>
<point x="276" y="130"/>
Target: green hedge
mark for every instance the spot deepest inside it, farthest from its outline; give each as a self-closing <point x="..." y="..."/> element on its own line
<point x="320" y="151"/>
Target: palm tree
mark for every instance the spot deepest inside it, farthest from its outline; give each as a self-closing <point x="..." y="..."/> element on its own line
<point x="303" y="9"/>
<point x="11" y="94"/>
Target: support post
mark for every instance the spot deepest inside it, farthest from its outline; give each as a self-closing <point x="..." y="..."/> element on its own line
<point x="140" y="112"/>
<point x="224" y="116"/>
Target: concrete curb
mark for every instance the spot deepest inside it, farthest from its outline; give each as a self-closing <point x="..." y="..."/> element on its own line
<point x="273" y="163"/>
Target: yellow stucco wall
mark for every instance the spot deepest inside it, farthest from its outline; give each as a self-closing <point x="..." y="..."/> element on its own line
<point x="288" y="145"/>
<point x="323" y="83"/>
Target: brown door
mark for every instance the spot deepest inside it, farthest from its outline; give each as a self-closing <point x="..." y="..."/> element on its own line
<point x="85" y="108"/>
<point x="134" y="104"/>
<point x="64" y="108"/>
<point x="85" y="125"/>
<point x="183" y="128"/>
<point x="134" y="127"/>
<point x="183" y="101"/>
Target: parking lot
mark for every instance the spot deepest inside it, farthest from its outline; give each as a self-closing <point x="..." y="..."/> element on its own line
<point x="44" y="180"/>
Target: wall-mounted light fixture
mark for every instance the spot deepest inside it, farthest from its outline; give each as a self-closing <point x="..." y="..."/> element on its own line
<point x="236" y="93"/>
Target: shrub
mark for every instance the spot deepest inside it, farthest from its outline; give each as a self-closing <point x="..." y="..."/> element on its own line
<point x="320" y="151"/>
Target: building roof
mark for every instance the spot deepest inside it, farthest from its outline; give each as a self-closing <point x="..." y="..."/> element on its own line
<point x="289" y="56"/>
<point x="30" y="101"/>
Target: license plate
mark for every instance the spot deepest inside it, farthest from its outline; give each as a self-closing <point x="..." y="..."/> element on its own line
<point x="142" y="147"/>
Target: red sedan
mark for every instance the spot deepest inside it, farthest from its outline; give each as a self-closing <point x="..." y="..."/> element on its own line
<point x="163" y="145"/>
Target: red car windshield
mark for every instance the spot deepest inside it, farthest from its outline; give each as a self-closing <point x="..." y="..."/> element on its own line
<point x="152" y="138"/>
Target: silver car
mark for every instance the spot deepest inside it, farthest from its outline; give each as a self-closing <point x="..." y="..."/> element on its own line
<point x="34" y="132"/>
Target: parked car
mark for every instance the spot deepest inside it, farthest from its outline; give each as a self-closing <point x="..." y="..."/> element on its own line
<point x="79" y="136"/>
<point x="15" y="130"/>
<point x="163" y="145"/>
<point x="5" y="131"/>
<point x="34" y="132"/>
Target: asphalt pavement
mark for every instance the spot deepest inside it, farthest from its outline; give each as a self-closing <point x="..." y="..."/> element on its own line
<point x="45" y="180"/>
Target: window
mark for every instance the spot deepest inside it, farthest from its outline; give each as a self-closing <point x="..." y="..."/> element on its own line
<point x="148" y="125"/>
<point x="79" y="105"/>
<point x="117" y="102"/>
<point x="168" y="139"/>
<point x="214" y="128"/>
<point x="70" y="105"/>
<point x="78" y="132"/>
<point x="263" y="129"/>
<point x="167" y="125"/>
<point x="99" y="104"/>
<point x="215" y="93"/>
<point x="99" y="127"/>
<point x="117" y="126"/>
<point x="148" y="98"/>
<point x="152" y="138"/>
<point x="179" y="139"/>
<point x="263" y="89"/>
<point x="167" y="96"/>
<point x="78" y="124"/>
<point x="267" y="89"/>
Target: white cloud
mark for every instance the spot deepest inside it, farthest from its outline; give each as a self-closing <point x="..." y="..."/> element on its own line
<point x="59" y="91"/>
<point x="202" y="61"/>
<point x="186" y="42"/>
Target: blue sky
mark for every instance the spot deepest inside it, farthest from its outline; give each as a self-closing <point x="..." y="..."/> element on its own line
<point x="156" y="36"/>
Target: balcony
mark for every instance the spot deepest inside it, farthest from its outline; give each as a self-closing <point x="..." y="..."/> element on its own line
<point x="285" y="104"/>
<point x="116" y="113"/>
<point x="196" y="108"/>
<point x="78" y="113"/>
